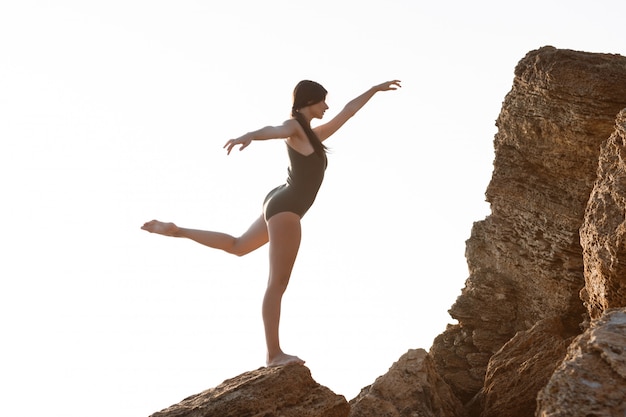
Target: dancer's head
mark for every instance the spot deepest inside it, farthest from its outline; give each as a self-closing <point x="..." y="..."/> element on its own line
<point x="307" y="93"/>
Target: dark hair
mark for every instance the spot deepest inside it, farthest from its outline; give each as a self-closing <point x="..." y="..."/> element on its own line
<point x="305" y="94"/>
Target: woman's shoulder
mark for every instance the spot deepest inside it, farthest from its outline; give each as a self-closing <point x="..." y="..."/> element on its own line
<point x="295" y="129"/>
<point x="291" y="127"/>
<point x="291" y="123"/>
<point x="298" y="140"/>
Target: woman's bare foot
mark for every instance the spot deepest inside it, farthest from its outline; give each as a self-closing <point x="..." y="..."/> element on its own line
<point x="161" y="228"/>
<point x="284" y="359"/>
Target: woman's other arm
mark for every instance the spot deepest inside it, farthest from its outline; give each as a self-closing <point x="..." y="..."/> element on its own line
<point x="328" y="129"/>
<point x="287" y="129"/>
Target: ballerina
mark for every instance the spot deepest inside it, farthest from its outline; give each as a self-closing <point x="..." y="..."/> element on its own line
<point x="284" y="206"/>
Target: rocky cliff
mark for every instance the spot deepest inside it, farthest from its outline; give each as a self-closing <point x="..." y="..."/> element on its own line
<point x="521" y="304"/>
<point x="542" y="317"/>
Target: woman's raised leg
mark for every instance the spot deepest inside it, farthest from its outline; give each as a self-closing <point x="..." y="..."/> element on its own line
<point x="284" y="237"/>
<point x="255" y="237"/>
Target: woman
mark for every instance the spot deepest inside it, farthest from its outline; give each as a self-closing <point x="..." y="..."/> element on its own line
<point x="284" y="206"/>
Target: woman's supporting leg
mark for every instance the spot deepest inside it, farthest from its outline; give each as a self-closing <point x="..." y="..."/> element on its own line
<point x="284" y="237"/>
<point x="255" y="237"/>
<point x="283" y="232"/>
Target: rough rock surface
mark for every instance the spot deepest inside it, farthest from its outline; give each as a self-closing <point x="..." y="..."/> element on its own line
<point x="287" y="391"/>
<point x="591" y="381"/>
<point x="525" y="260"/>
<point x="412" y="387"/>
<point x="603" y="234"/>
<point x="518" y="371"/>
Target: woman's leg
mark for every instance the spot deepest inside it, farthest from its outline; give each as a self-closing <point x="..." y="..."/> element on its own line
<point x="284" y="237"/>
<point x="255" y="237"/>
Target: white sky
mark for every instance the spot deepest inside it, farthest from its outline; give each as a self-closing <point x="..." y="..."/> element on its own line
<point x="114" y="113"/>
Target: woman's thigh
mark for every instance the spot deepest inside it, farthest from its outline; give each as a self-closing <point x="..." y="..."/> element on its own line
<point x="284" y="237"/>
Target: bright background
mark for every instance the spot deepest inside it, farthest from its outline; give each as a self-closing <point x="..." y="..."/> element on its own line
<point x="114" y="113"/>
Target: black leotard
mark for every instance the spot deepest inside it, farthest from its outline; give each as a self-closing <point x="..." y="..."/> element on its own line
<point x="305" y="176"/>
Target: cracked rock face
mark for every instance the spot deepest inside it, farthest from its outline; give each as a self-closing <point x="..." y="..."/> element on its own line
<point x="591" y="380"/>
<point x="603" y="234"/>
<point x="518" y="371"/>
<point x="411" y="387"/>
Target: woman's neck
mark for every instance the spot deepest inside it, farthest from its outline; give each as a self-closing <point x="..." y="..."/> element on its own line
<point x="306" y="115"/>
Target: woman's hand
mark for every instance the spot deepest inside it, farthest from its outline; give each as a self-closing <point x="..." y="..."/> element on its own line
<point x="244" y="141"/>
<point x="389" y="85"/>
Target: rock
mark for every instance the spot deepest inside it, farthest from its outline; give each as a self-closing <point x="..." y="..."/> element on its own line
<point x="454" y="353"/>
<point x="287" y="391"/>
<point x="525" y="260"/>
<point x="412" y="387"/>
<point x="603" y="234"/>
<point x="520" y="369"/>
<point x="591" y="380"/>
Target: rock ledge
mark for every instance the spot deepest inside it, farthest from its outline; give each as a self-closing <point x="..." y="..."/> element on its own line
<point x="286" y="391"/>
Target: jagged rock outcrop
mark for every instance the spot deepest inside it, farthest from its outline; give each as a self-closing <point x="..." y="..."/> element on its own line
<point x="287" y="391"/>
<point x="525" y="259"/>
<point x="603" y="234"/>
<point x="412" y="387"/>
<point x="591" y="381"/>
<point x="518" y="371"/>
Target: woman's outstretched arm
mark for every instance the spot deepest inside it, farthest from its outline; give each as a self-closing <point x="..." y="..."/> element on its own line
<point x="287" y="129"/>
<point x="327" y="129"/>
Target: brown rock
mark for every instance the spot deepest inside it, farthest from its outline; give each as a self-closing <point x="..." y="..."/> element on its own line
<point x="603" y="234"/>
<point x="525" y="259"/>
<point x="412" y="387"/>
<point x="454" y="353"/>
<point x="591" y="380"/>
<point x="287" y="391"/>
<point x="518" y="371"/>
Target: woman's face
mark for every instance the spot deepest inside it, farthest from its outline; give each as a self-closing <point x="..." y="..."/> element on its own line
<point x="318" y="109"/>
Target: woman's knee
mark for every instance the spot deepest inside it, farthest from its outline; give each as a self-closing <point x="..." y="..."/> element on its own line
<point x="255" y="237"/>
<point x="278" y="283"/>
<point x="239" y="250"/>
